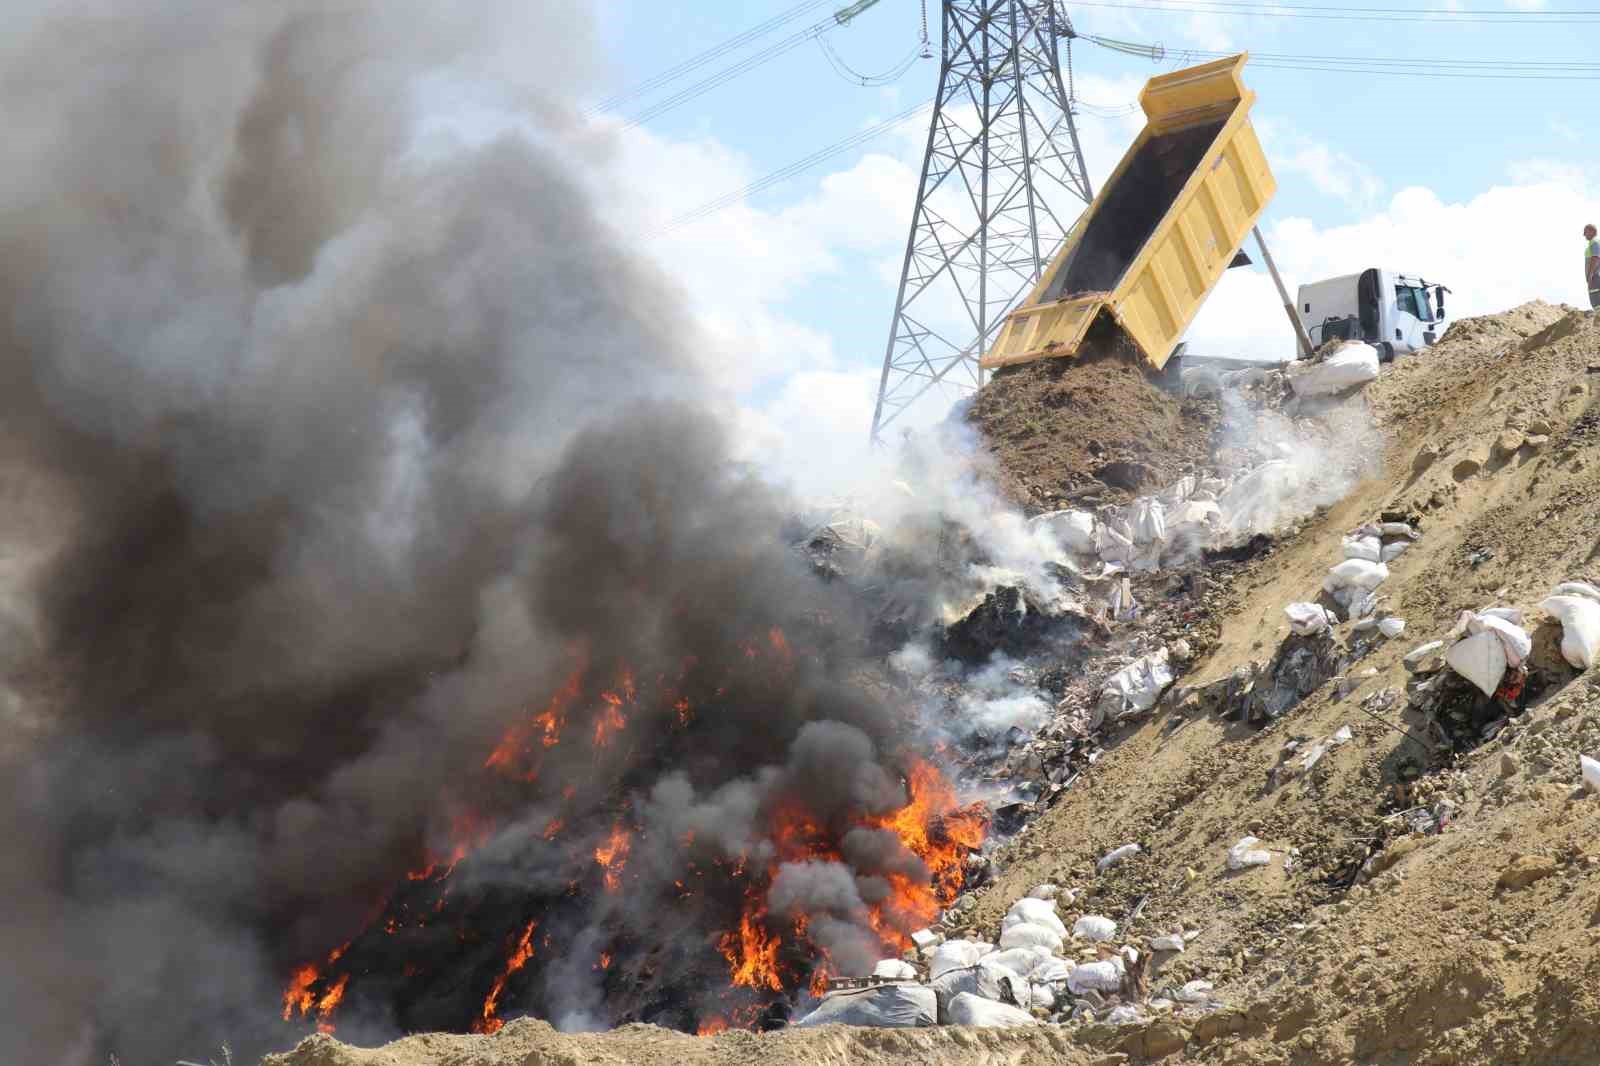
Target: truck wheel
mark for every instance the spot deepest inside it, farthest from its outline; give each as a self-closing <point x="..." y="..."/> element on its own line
<point x="1385" y="352"/>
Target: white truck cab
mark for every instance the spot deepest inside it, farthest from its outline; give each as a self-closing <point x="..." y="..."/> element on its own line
<point x="1396" y="313"/>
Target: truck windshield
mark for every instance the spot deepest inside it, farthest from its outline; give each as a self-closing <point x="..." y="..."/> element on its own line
<point x="1413" y="301"/>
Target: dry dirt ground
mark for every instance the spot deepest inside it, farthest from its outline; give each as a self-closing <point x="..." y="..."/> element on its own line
<point x="1478" y="945"/>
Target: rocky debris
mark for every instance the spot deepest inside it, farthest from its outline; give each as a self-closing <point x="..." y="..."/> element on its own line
<point x="1261" y="693"/>
<point x="1014" y="621"/>
<point x="1525" y="870"/>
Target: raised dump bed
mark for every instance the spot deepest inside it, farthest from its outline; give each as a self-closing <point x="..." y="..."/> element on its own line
<point x="1163" y="229"/>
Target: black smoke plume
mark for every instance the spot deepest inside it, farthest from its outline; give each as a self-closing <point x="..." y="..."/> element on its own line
<point x="334" y="448"/>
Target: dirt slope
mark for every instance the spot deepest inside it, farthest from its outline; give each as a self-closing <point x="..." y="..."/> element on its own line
<point x="1478" y="945"/>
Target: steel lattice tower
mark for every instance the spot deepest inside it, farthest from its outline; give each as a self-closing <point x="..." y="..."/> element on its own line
<point x="1003" y="181"/>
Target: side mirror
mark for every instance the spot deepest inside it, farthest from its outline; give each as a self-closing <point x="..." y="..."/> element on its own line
<point x="1438" y="300"/>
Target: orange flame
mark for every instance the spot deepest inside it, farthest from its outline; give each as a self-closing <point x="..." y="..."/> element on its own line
<point x="605" y="960"/>
<point x="329" y="1003"/>
<point x="298" y="995"/>
<point x="712" y="1026"/>
<point x="752" y="954"/>
<point x="487" y="1021"/>
<point x="610" y="720"/>
<point x="546" y="726"/>
<point x="613" y="855"/>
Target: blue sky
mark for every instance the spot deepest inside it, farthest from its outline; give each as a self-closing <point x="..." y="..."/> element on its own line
<point x="1481" y="182"/>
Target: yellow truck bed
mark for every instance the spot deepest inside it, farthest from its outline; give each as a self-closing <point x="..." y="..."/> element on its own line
<point x="1163" y="229"/>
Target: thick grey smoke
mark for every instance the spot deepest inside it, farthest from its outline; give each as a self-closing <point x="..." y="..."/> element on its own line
<point x="325" y="448"/>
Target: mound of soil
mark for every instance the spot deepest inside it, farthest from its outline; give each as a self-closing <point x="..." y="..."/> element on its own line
<point x="1096" y="428"/>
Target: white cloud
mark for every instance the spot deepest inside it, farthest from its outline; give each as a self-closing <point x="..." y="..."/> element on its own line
<point x="1331" y="172"/>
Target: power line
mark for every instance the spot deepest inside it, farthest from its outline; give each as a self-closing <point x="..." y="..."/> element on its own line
<point x="1267" y="8"/>
<point x="860" y="137"/>
<point x="868" y="81"/>
<point x="1536" y="70"/>
<point x="715" y="52"/>
<point x="841" y="17"/>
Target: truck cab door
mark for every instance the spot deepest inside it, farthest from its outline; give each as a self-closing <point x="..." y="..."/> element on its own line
<point x="1412" y="316"/>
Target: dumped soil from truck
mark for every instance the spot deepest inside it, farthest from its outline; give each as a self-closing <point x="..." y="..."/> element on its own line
<point x="1095" y="428"/>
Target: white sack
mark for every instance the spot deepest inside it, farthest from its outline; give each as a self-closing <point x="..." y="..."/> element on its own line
<point x="1050" y="971"/>
<point x="956" y="954"/>
<point x="881" y="1007"/>
<point x="1111" y="545"/>
<point x="1505" y="614"/>
<point x="1580" y="628"/>
<point x="1481" y="659"/>
<point x="1043" y="996"/>
<point x="1398" y="529"/>
<point x="1148" y="521"/>
<point x="968" y="1009"/>
<point x="1391" y="552"/>
<point x="1020" y="961"/>
<point x="1038" y="911"/>
<point x="988" y="979"/>
<point x="1137" y="686"/>
<point x="895" y="968"/>
<point x="1591" y="773"/>
<point x="1308" y="618"/>
<point x="1350" y="366"/>
<point x="1103" y="976"/>
<point x="1094" y="928"/>
<point x="1517" y="643"/>
<point x="1363" y="547"/>
<point x="1356" y="573"/>
<point x="1392" y="627"/>
<point x="1028" y="935"/>
<point x="1577" y="588"/>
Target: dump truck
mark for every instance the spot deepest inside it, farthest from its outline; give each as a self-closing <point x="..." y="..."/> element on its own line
<point x="1166" y="225"/>
<point x="1396" y="313"/>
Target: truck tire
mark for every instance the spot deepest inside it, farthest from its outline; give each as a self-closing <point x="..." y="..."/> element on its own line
<point x="1385" y="352"/>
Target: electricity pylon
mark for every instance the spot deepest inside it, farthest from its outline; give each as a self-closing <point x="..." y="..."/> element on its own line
<point x="1003" y="181"/>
